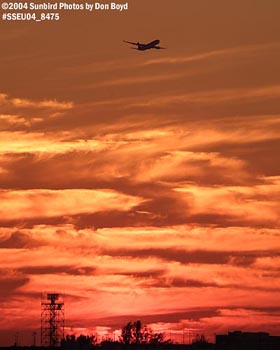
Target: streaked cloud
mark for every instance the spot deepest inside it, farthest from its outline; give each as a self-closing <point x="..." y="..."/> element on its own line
<point x="27" y="103"/>
<point x="229" y="52"/>
<point x="18" y="205"/>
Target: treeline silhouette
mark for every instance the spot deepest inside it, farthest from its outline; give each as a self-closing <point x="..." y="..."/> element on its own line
<point x="133" y="335"/>
<point x="82" y="342"/>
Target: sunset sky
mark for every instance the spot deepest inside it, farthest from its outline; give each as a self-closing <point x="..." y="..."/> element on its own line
<point x="142" y="185"/>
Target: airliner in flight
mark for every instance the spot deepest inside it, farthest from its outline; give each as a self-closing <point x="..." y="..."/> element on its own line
<point x="143" y="47"/>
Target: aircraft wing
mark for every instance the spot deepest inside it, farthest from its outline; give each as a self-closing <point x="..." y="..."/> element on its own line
<point x="129" y="42"/>
<point x="160" y="48"/>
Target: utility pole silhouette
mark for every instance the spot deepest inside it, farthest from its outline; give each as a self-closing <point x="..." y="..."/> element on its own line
<point x="34" y="334"/>
<point x="16" y="339"/>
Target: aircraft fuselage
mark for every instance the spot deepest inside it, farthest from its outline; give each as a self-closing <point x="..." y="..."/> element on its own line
<point x="151" y="45"/>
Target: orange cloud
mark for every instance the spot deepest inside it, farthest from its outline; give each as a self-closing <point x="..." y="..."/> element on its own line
<point x="241" y="202"/>
<point x="23" y="204"/>
<point x="27" y="103"/>
<point x="22" y="142"/>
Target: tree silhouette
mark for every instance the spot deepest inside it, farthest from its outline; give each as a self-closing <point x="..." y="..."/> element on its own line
<point x="137" y="333"/>
<point x="126" y="336"/>
<point x="158" y="338"/>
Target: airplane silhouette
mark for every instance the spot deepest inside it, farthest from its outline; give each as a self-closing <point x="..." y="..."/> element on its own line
<point x="143" y="47"/>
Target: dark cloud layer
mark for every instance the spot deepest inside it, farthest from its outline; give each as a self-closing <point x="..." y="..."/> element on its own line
<point x="9" y="285"/>
<point x="238" y="258"/>
<point x="16" y="240"/>
<point x="50" y="270"/>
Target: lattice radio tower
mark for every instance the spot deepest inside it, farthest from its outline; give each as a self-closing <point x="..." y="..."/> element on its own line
<point x="52" y="319"/>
